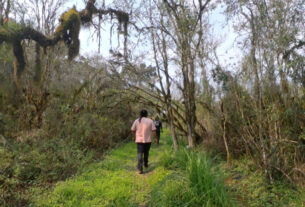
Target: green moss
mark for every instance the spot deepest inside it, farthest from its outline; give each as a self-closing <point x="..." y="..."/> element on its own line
<point x="19" y="63"/>
<point x="9" y="33"/>
<point x="68" y="19"/>
<point x="69" y="31"/>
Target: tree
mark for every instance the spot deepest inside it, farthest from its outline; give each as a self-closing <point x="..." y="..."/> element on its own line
<point x="5" y="7"/>
<point x="67" y="31"/>
<point x="272" y="29"/>
<point x="187" y="32"/>
<point x="162" y="66"/>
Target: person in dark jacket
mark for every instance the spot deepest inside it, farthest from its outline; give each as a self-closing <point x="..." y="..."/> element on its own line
<point x="158" y="125"/>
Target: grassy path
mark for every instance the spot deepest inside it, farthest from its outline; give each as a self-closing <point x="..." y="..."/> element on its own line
<point x="181" y="179"/>
<point x="112" y="182"/>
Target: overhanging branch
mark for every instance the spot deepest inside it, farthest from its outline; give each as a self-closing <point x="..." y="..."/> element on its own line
<point x="67" y="31"/>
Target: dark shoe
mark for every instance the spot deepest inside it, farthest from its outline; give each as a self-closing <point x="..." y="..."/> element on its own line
<point x="146" y="166"/>
<point x="140" y="172"/>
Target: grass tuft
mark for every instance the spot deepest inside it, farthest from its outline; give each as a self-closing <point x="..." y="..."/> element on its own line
<point x="196" y="182"/>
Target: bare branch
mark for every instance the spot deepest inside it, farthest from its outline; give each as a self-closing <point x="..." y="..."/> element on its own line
<point x="297" y="46"/>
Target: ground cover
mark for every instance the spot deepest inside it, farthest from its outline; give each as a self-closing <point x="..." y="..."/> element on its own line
<point x="173" y="179"/>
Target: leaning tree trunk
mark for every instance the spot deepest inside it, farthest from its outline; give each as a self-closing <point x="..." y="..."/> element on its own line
<point x="172" y="128"/>
<point x="224" y="122"/>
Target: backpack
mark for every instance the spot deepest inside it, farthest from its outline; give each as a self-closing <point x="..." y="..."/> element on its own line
<point x="157" y="124"/>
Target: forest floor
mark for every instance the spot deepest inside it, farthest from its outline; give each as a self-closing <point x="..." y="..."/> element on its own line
<point x="114" y="181"/>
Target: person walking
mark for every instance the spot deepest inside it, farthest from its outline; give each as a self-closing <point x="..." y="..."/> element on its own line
<point x="142" y="130"/>
<point x="158" y="125"/>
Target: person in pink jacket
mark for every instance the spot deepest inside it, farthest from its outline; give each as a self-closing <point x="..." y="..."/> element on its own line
<point x="142" y="129"/>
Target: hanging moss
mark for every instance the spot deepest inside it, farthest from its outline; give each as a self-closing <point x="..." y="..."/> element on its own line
<point x="37" y="76"/>
<point x="14" y="34"/>
<point x="73" y="49"/>
<point x="19" y="62"/>
<point x="123" y="18"/>
<point x="68" y="30"/>
<point x="86" y="14"/>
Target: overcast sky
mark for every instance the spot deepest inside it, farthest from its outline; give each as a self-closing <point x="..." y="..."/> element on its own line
<point x="227" y="51"/>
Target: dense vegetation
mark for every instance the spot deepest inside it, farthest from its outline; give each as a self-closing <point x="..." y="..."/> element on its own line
<point x="75" y="130"/>
<point x="61" y="111"/>
<point x="181" y="178"/>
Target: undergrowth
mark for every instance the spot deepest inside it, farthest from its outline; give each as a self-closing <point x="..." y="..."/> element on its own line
<point x="172" y="179"/>
<point x="252" y="189"/>
<point x="195" y="181"/>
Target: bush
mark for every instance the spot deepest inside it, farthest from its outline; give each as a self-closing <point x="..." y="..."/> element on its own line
<point x="35" y="163"/>
<point x="67" y="141"/>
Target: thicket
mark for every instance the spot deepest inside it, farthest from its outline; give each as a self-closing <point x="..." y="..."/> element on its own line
<point x="248" y="184"/>
<point x="255" y="107"/>
<point x="51" y="130"/>
<point x="271" y="133"/>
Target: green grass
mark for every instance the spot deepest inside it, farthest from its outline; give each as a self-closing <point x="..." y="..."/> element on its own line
<point x="173" y="179"/>
<point x="195" y="182"/>
<point x="112" y="182"/>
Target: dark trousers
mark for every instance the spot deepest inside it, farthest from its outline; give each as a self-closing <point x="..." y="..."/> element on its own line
<point x="158" y="136"/>
<point x="143" y="148"/>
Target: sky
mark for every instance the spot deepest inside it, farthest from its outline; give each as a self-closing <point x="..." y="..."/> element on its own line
<point x="88" y="39"/>
<point x="89" y="42"/>
<point x="228" y="52"/>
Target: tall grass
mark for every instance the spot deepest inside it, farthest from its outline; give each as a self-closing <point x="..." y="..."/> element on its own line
<point x="195" y="182"/>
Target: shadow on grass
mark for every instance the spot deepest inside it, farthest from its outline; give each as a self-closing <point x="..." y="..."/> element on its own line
<point x="152" y="166"/>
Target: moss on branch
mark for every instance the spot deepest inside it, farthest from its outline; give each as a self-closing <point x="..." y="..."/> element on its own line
<point x="67" y="31"/>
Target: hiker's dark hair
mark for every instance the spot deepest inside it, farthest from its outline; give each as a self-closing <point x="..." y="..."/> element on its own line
<point x="143" y="113"/>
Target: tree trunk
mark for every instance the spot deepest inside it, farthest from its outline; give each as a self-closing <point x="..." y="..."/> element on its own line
<point x="190" y="134"/>
<point x="258" y="96"/>
<point x="174" y="138"/>
<point x="224" y="120"/>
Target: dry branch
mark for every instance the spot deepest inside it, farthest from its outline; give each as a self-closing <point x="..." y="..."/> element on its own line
<point x="297" y="46"/>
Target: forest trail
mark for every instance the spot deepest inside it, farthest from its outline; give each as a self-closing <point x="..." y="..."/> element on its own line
<point x="112" y="182"/>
